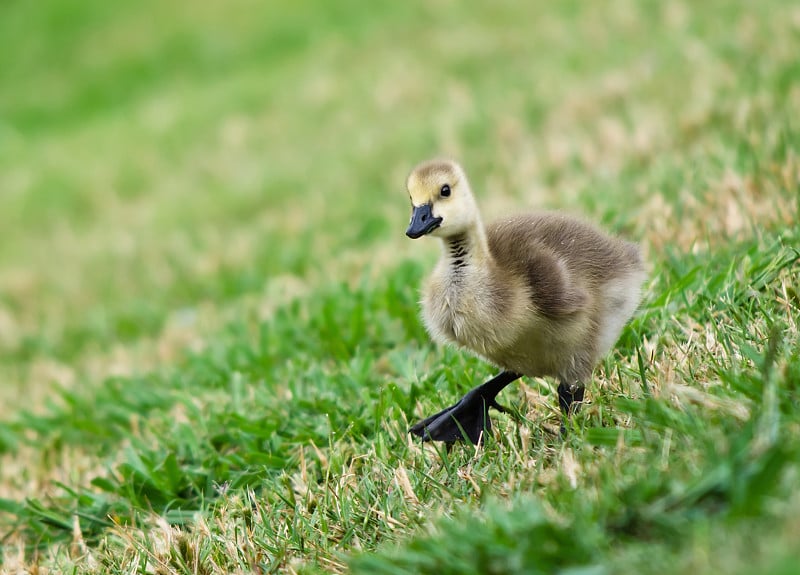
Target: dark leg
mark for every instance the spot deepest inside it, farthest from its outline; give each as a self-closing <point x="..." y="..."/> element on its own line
<point x="570" y="397"/>
<point x="469" y="417"/>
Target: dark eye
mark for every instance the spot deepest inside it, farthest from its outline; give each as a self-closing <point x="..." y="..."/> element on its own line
<point x="445" y="191"/>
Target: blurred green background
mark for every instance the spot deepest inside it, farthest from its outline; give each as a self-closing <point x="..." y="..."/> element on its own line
<point x="155" y="154"/>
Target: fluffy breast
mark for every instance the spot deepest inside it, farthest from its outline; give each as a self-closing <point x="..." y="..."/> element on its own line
<point x="474" y="310"/>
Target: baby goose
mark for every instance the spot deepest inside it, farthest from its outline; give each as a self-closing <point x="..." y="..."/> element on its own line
<point x="538" y="294"/>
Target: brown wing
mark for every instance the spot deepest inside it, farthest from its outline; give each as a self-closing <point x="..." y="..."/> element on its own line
<point x="562" y="258"/>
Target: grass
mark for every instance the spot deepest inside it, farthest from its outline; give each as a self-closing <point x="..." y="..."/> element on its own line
<point x="210" y="349"/>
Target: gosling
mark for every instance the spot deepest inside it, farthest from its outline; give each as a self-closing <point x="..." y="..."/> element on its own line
<point x="540" y="294"/>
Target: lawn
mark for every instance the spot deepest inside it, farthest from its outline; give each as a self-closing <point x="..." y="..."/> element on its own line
<point x="210" y="347"/>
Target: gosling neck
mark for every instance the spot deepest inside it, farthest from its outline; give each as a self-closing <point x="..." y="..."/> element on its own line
<point x="466" y="249"/>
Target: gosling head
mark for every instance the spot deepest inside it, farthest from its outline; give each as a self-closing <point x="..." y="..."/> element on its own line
<point x="441" y="200"/>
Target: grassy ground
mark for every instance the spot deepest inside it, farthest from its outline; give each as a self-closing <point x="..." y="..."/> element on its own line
<point x="209" y="344"/>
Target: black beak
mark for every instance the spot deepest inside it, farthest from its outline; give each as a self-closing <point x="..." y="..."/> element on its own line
<point x="422" y="221"/>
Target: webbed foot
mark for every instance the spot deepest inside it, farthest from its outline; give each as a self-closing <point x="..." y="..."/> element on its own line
<point x="467" y="418"/>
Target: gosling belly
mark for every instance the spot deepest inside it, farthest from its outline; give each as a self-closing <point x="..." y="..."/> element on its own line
<point x="541" y="350"/>
<point x="532" y="358"/>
